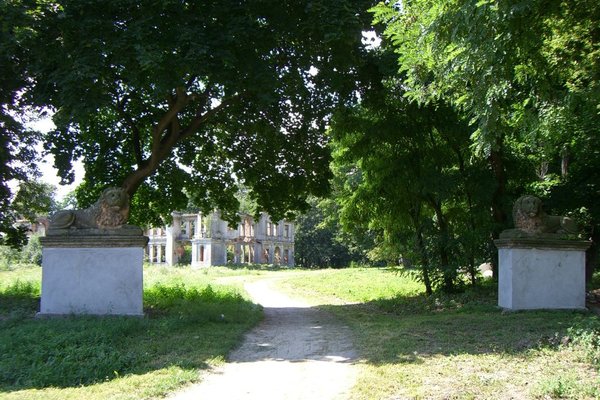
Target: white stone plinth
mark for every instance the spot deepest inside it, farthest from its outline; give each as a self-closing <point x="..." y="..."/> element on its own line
<point x="92" y="276"/>
<point x="541" y="274"/>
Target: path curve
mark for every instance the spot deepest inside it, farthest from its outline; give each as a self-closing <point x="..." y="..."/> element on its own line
<point x="296" y="353"/>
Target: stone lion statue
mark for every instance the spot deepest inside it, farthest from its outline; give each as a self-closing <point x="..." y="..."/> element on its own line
<point x="531" y="220"/>
<point x="109" y="212"/>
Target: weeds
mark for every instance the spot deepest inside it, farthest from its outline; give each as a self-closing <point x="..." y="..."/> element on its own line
<point x="586" y="335"/>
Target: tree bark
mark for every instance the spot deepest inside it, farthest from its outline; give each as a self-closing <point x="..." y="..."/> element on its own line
<point x="448" y="274"/>
<point x="420" y="248"/>
<point x="496" y="160"/>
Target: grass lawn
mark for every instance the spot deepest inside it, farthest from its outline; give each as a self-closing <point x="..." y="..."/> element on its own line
<point x="191" y="324"/>
<point x="455" y="347"/>
<point x="412" y="346"/>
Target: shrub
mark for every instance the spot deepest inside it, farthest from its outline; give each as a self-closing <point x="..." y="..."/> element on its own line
<point x="8" y="257"/>
<point x="32" y="251"/>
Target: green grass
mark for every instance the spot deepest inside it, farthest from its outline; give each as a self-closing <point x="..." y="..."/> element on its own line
<point x="411" y="346"/>
<point x="455" y="347"/>
<point x="191" y="324"/>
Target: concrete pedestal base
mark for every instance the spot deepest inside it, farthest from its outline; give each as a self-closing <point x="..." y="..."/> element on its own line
<point x="541" y="274"/>
<point x="94" y="275"/>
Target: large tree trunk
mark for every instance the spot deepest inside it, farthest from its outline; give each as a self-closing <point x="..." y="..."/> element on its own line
<point x="497" y="205"/>
<point x="168" y="132"/>
<point x="424" y="263"/>
<point x="421" y="250"/>
<point x="469" y="198"/>
<point x="448" y="273"/>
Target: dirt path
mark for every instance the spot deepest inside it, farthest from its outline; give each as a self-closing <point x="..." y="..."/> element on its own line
<point x="297" y="352"/>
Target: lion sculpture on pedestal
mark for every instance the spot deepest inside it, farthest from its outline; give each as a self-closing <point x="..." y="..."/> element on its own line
<point x="109" y="212"/>
<point x="531" y="220"/>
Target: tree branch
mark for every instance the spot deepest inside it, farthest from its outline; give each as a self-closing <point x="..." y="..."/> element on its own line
<point x="136" y="136"/>
<point x="202" y="118"/>
<point x="179" y="102"/>
<point x="163" y="145"/>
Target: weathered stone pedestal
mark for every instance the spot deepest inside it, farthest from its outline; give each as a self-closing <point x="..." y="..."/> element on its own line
<point x="92" y="275"/>
<point x="539" y="273"/>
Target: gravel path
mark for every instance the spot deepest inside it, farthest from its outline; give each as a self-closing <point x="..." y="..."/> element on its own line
<point x="297" y="352"/>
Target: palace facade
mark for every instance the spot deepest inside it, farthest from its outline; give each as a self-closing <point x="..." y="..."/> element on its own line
<point x="213" y="242"/>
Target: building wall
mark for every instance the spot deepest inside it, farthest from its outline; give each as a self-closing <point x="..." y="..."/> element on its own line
<point x="213" y="242"/>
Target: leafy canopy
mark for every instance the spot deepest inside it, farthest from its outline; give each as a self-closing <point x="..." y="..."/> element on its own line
<point x="187" y="99"/>
<point x="17" y="143"/>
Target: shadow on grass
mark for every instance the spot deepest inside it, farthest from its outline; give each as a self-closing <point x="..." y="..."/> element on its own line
<point x="189" y="327"/>
<point x="183" y="327"/>
<point x="407" y="329"/>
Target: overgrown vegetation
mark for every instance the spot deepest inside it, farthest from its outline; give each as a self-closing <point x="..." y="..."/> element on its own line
<point x="29" y="254"/>
<point x="455" y="345"/>
<point x="465" y="106"/>
<point x="190" y="325"/>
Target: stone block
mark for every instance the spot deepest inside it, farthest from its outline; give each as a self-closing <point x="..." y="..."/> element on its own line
<point x="92" y="276"/>
<point x="541" y="274"/>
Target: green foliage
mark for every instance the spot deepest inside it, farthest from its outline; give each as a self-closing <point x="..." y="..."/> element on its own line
<point x="9" y="256"/>
<point x="526" y="74"/>
<point x="17" y="151"/>
<point x="186" y="257"/>
<point x="207" y="303"/>
<point x="20" y="299"/>
<point x="31" y="253"/>
<point x="188" y="99"/>
<point x="320" y="242"/>
<point x="34" y="198"/>
<point x="587" y="335"/>
<point x="407" y="172"/>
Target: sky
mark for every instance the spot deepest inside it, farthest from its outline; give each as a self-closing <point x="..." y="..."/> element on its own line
<point x="49" y="173"/>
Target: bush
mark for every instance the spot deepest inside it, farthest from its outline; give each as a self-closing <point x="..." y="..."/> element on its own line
<point x="32" y="251"/>
<point x="8" y="257"/>
<point x="30" y="254"/>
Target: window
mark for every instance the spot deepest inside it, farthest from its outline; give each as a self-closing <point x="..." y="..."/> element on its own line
<point x="184" y="229"/>
<point x="286" y="231"/>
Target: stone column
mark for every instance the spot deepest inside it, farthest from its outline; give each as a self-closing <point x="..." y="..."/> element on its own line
<point x="173" y="233"/>
<point x="198" y="232"/>
<point x="159" y="254"/>
<point x="151" y="253"/>
<point x="535" y="273"/>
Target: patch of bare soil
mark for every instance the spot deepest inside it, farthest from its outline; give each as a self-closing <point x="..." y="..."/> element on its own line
<point x="296" y="352"/>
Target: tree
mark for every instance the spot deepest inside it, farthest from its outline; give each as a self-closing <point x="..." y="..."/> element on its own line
<point x="518" y="69"/>
<point x="33" y="199"/>
<point x="177" y="99"/>
<point x="16" y="142"/>
<point x="409" y="173"/>
<point x="320" y="241"/>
